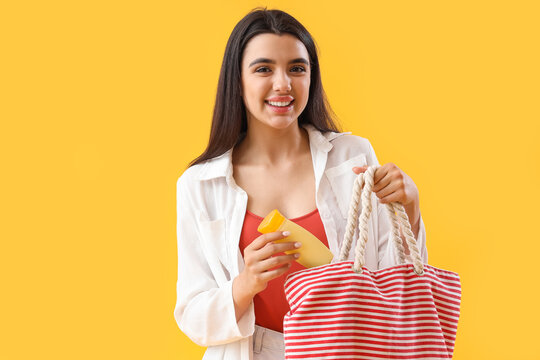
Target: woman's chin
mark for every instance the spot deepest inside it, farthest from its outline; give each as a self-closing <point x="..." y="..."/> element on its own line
<point x="274" y="122"/>
<point x="280" y="122"/>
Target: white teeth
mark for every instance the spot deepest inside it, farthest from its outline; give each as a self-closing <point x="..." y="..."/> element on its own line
<point x="275" y="103"/>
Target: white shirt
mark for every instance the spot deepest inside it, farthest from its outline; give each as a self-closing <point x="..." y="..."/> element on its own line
<point x="210" y="214"/>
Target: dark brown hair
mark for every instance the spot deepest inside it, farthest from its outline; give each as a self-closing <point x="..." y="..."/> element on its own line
<point x="229" y="121"/>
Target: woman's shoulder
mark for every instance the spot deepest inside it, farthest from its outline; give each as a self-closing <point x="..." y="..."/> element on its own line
<point x="205" y="170"/>
<point x="343" y="140"/>
<point x="350" y="149"/>
<point x="350" y="143"/>
<point x="190" y="176"/>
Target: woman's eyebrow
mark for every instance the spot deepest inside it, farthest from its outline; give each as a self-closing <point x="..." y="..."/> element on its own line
<point x="270" y="61"/>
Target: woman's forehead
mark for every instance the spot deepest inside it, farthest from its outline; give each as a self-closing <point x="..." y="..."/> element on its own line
<point x="274" y="47"/>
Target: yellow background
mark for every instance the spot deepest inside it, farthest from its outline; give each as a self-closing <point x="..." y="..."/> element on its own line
<point x="103" y="104"/>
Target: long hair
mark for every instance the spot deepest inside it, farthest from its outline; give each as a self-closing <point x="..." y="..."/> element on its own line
<point x="229" y="121"/>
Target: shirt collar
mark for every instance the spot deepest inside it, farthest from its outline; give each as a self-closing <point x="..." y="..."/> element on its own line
<point x="221" y="166"/>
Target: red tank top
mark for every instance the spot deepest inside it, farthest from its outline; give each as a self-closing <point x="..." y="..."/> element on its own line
<point x="270" y="304"/>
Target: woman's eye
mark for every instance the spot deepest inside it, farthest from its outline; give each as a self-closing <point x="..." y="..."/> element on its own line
<point x="297" y="68"/>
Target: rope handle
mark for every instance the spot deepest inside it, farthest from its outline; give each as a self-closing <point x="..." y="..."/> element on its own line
<point x="363" y="188"/>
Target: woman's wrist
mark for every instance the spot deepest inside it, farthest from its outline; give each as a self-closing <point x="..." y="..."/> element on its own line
<point x="413" y="213"/>
<point x="242" y="296"/>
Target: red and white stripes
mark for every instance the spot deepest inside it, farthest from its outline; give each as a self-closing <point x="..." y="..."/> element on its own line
<point x="386" y="314"/>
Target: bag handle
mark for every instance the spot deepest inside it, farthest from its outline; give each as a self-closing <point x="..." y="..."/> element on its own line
<point x="398" y="219"/>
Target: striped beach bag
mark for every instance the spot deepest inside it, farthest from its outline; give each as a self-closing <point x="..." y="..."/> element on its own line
<point x="345" y="311"/>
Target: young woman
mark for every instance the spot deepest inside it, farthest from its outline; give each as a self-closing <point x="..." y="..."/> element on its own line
<point x="273" y="145"/>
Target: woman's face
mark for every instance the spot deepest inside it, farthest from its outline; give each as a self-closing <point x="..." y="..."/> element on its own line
<point x="275" y="79"/>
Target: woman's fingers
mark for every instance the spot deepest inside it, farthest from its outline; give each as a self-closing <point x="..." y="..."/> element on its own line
<point x="264" y="239"/>
<point x="274" y="261"/>
<point x="391" y="184"/>
<point x="359" y="169"/>
<point x="388" y="187"/>
<point x="272" y="274"/>
<point x="264" y="247"/>
<point x="260" y="264"/>
<point x="275" y="248"/>
<point x="381" y="183"/>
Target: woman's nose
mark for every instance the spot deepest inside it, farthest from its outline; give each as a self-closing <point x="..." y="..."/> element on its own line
<point x="282" y="82"/>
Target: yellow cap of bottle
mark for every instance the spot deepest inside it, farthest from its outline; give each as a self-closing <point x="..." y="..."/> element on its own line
<point x="271" y="222"/>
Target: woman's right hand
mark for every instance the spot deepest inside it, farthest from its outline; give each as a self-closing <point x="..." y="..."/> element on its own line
<point x="261" y="267"/>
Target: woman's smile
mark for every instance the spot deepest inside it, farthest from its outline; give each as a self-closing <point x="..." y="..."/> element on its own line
<point x="280" y="107"/>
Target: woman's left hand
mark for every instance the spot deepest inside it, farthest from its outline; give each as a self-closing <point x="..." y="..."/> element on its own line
<point x="391" y="184"/>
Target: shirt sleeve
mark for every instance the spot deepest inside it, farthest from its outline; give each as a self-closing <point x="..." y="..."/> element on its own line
<point x="388" y="255"/>
<point x="204" y="308"/>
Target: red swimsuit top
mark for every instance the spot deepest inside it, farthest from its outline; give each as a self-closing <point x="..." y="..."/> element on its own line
<point x="270" y="304"/>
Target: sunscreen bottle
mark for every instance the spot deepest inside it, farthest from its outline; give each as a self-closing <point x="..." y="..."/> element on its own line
<point x="312" y="252"/>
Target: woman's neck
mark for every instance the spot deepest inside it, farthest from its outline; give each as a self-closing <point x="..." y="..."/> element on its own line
<point x="268" y="146"/>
